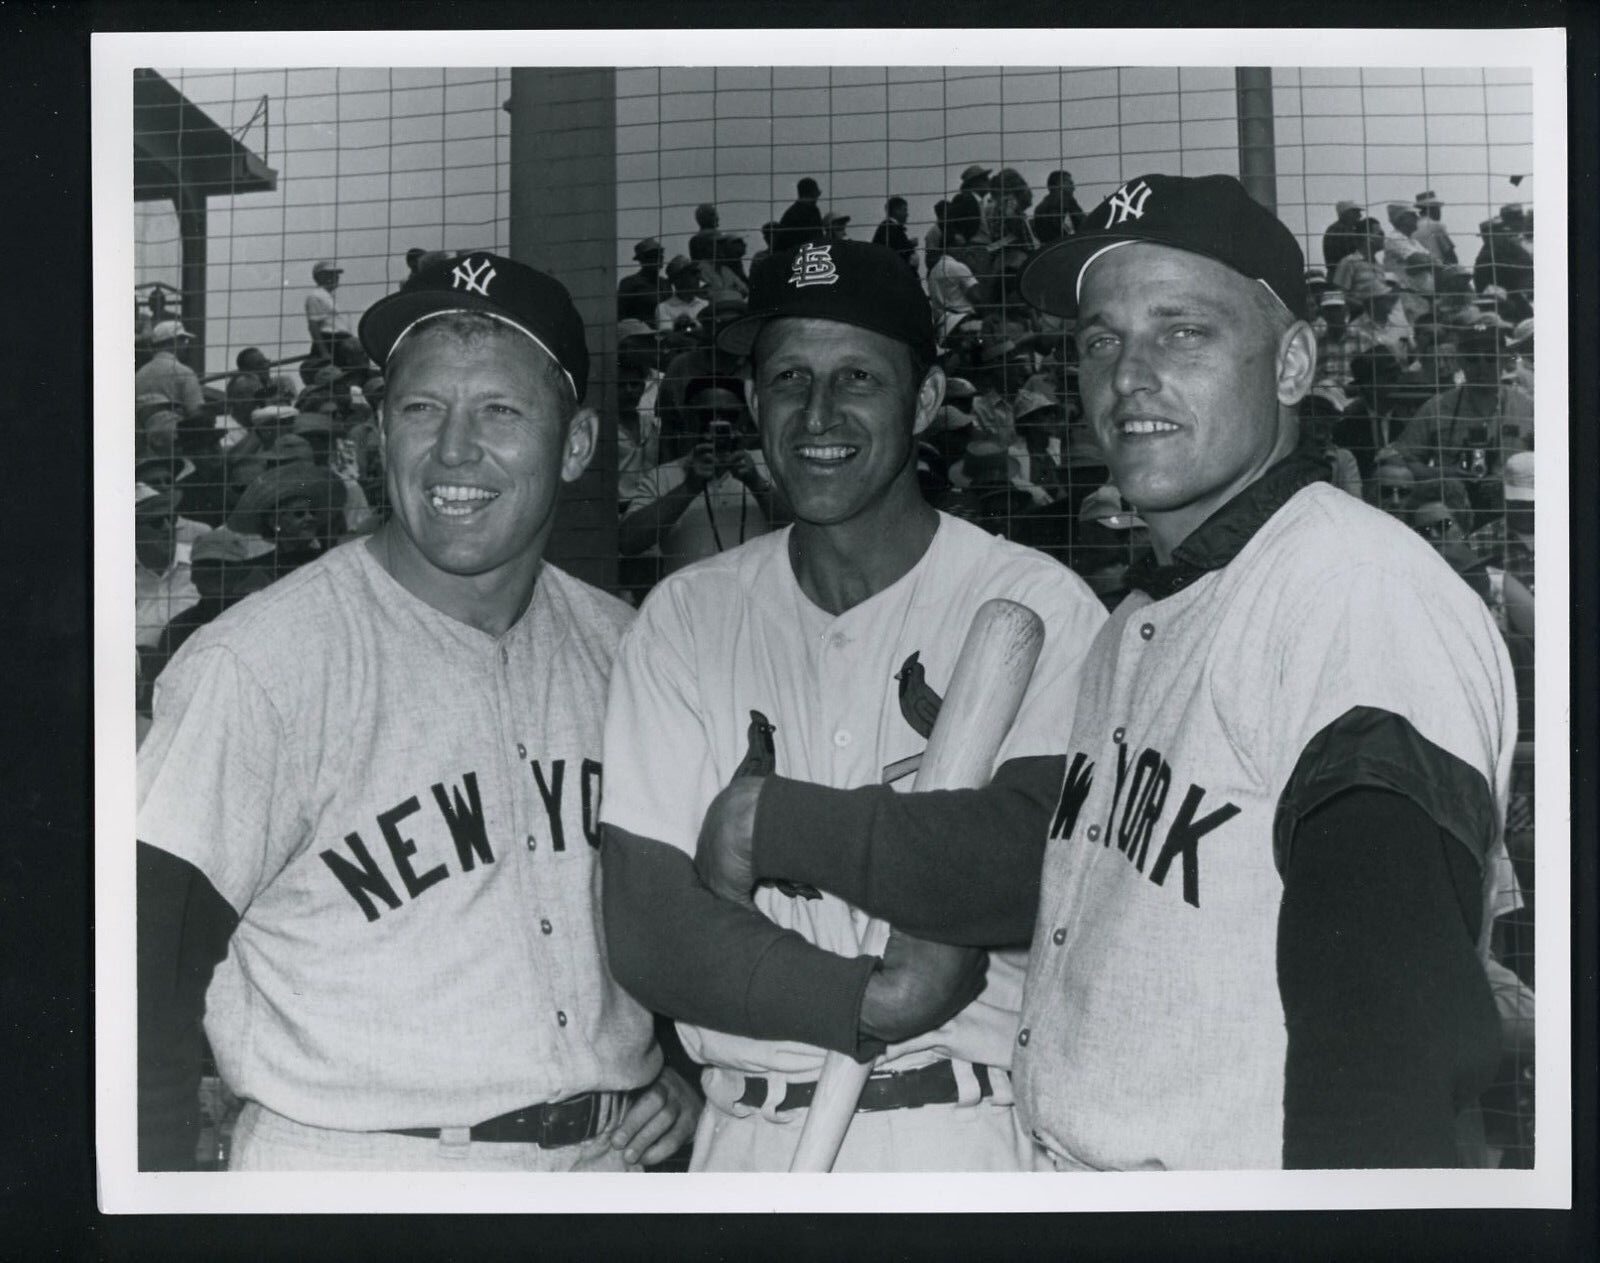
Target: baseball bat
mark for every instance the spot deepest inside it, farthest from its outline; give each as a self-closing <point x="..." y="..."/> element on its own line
<point x="986" y="689"/>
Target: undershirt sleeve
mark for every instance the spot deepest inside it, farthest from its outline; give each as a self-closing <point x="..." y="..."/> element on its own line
<point x="952" y="866"/>
<point x="683" y="952"/>
<point x="1392" y="1031"/>
<point x="184" y="927"/>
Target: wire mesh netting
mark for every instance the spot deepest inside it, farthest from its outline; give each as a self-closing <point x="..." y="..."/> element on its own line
<point x="275" y="206"/>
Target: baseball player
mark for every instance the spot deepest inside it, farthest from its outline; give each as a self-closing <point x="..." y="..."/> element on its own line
<point x="368" y="801"/>
<point x="1262" y="875"/>
<point x="820" y="650"/>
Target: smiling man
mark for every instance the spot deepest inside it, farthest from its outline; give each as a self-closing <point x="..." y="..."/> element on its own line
<point x="820" y="650"/>
<point x="1261" y="877"/>
<point x="367" y="805"/>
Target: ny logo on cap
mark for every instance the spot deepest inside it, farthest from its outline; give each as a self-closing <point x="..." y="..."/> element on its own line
<point x="813" y="265"/>
<point x="1128" y="202"/>
<point x="476" y="279"/>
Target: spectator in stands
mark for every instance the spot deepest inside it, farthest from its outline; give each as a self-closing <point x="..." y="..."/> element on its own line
<point x="1431" y="231"/>
<point x="1440" y="513"/>
<point x="835" y="226"/>
<point x="1333" y="356"/>
<point x="1058" y="214"/>
<point x="639" y="378"/>
<point x="167" y="376"/>
<point x="641" y="292"/>
<point x="714" y="493"/>
<point x="162" y="584"/>
<point x="723" y="271"/>
<point x="1402" y="243"/>
<point x="323" y="321"/>
<point x="1470" y="429"/>
<point x="933" y="239"/>
<point x="1041" y="424"/>
<point x="1344" y="236"/>
<point x="1504" y="268"/>
<point x="680" y="310"/>
<point x="1376" y="319"/>
<point x="1369" y="424"/>
<point x="322" y="430"/>
<point x="703" y="245"/>
<point x="802" y="222"/>
<point x="293" y="507"/>
<point x="1520" y="345"/>
<point x="976" y="181"/>
<point x="225" y="568"/>
<point x="1394" y="486"/>
<point x="1104" y="543"/>
<point x="1509" y="541"/>
<point x="1363" y="260"/>
<point x="952" y="287"/>
<point x="989" y="488"/>
<point x="767" y="230"/>
<point x="1320" y="413"/>
<point x="967" y="241"/>
<point x="892" y="231"/>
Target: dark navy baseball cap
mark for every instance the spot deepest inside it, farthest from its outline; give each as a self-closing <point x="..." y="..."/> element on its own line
<point x="513" y="293"/>
<point x="1210" y="215"/>
<point x="852" y="282"/>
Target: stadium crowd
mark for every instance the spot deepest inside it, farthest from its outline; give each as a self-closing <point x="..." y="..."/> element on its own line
<point x="1423" y="408"/>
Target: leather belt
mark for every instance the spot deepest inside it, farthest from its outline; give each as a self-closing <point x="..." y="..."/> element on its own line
<point x="933" y="1084"/>
<point x="550" y="1126"/>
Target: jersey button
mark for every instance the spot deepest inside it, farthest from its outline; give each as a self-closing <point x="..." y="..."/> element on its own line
<point x="505" y="654"/>
<point x="1059" y="937"/>
<point x="545" y="926"/>
<point x="842" y="738"/>
<point x="839" y="640"/>
<point x="522" y="750"/>
<point x="1094" y="833"/>
<point x="1118" y="735"/>
<point x="1022" y="1037"/>
<point x="1148" y="630"/>
<point x="561" y="1018"/>
<point x="532" y="842"/>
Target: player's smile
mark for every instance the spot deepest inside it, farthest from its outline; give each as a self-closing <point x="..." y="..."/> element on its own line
<point x="457" y="500"/>
<point x="825" y="457"/>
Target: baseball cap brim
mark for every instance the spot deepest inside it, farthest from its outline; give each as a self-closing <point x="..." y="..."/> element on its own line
<point x="1051" y="279"/>
<point x="381" y="328"/>
<point x="739" y="336"/>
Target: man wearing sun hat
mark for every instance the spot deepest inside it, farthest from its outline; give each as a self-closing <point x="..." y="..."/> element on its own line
<point x="1271" y="839"/>
<point x="367" y="801"/>
<point x="168" y="376"/>
<point x="820" y="650"/>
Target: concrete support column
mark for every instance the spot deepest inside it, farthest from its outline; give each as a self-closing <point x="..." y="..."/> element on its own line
<point x="191" y="208"/>
<point x="564" y="221"/>
<point x="1258" y="160"/>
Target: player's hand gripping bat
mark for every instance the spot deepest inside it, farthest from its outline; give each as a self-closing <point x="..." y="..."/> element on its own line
<point x="986" y="690"/>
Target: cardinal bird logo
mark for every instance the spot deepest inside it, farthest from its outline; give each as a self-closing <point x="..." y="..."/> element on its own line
<point x="761" y="759"/>
<point x="919" y="706"/>
<point x="918" y="702"/>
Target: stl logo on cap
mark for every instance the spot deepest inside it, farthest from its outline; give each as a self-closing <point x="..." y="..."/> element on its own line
<point x="1127" y="203"/>
<point x="813" y="265"/>
<point x="474" y="278"/>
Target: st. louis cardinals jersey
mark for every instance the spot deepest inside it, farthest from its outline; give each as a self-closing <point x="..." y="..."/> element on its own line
<point x="404" y="811"/>
<point x="1152" y="1031"/>
<point x="735" y="634"/>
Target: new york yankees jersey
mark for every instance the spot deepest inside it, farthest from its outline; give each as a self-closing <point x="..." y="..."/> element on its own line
<point x="1334" y="649"/>
<point x="404" y="812"/>
<point x="735" y="634"/>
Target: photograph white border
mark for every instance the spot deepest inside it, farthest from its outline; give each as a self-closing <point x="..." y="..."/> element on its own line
<point x="123" y="1189"/>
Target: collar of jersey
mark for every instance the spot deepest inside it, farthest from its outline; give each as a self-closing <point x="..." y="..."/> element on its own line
<point x="1219" y="539"/>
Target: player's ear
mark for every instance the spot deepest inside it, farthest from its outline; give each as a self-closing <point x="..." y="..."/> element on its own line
<point x="1297" y="363"/>
<point x="929" y="396"/>
<point x="583" y="436"/>
<point x="750" y="398"/>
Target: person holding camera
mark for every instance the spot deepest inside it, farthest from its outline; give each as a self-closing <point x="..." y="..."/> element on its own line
<point x="715" y="496"/>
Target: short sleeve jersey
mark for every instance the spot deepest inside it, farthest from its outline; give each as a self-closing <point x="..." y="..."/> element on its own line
<point x="404" y="811"/>
<point x="736" y="634"/>
<point x="1153" y="1033"/>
